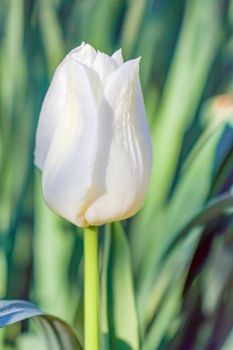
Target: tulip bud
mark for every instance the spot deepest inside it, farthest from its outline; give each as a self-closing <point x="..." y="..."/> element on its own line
<point x="92" y="144"/>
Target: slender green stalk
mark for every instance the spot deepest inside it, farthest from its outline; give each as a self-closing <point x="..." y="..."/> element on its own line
<point x="91" y="289"/>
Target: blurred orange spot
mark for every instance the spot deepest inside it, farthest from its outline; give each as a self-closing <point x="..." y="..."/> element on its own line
<point x="223" y="102"/>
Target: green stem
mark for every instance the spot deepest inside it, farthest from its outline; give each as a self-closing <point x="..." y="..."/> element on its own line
<point x="91" y="289"/>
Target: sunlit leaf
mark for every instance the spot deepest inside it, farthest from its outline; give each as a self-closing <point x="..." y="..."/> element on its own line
<point x="215" y="208"/>
<point x="12" y="311"/>
<point x="125" y="322"/>
<point x="57" y="333"/>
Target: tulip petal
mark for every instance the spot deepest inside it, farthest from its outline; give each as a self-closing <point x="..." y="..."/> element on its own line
<point x="104" y="65"/>
<point x="52" y="108"/>
<point x="54" y="102"/>
<point x="68" y="173"/>
<point x="117" y="56"/>
<point x="84" y="54"/>
<point x="130" y="153"/>
<point x="93" y="143"/>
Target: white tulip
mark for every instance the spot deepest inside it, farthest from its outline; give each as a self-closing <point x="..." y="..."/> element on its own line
<point x="93" y="144"/>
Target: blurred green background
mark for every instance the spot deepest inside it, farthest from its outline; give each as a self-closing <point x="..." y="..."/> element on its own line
<point x="166" y="275"/>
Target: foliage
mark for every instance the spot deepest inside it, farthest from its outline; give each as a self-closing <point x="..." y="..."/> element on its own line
<point x="167" y="274"/>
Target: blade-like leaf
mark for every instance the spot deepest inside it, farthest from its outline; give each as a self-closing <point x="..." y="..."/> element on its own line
<point x="51" y="33"/>
<point x="125" y="321"/>
<point x="181" y="209"/>
<point x="12" y="311"/>
<point x="186" y="81"/>
<point x="59" y="335"/>
<point x="212" y="211"/>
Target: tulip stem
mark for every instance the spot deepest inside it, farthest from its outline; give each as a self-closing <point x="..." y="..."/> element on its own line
<point x="91" y="289"/>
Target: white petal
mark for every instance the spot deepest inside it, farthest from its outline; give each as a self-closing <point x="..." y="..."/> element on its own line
<point x="85" y="54"/>
<point x="104" y="65"/>
<point x="93" y="143"/>
<point x="130" y="154"/>
<point x="54" y="101"/>
<point x="117" y="56"/>
<point x="68" y="173"/>
<point x="52" y="109"/>
<point x="122" y="82"/>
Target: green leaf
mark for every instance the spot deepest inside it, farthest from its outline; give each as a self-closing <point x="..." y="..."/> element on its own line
<point x="228" y="345"/>
<point x="213" y="210"/>
<point x="188" y="200"/>
<point x="131" y="26"/>
<point x="59" y="334"/>
<point x="193" y="58"/>
<point x="164" y="319"/>
<point x="223" y="173"/>
<point x="191" y="64"/>
<point x="52" y="247"/>
<point x="196" y="178"/>
<point x="12" y="311"/>
<point x="125" y="321"/>
<point x="51" y="33"/>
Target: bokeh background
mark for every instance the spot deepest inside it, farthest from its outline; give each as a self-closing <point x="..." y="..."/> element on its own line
<point x="166" y="275"/>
